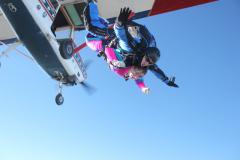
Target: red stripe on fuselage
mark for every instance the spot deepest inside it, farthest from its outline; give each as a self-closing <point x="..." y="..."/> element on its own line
<point x="162" y="6"/>
<point x="50" y="3"/>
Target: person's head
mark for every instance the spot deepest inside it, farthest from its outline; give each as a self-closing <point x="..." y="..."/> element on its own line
<point x="151" y="56"/>
<point x="137" y="72"/>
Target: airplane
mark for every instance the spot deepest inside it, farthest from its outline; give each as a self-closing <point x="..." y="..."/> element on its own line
<point x="46" y="28"/>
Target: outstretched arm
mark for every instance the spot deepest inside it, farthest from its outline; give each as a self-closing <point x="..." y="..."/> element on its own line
<point x="158" y="73"/>
<point x="140" y="83"/>
<point x="161" y="75"/>
<point x="120" y="29"/>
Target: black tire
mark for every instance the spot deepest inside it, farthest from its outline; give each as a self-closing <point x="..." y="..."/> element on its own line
<point x="59" y="99"/>
<point x="66" y="49"/>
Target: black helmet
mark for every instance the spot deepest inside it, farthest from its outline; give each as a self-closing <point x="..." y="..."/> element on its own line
<point x="151" y="56"/>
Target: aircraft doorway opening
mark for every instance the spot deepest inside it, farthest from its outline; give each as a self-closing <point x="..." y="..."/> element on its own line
<point x="69" y="16"/>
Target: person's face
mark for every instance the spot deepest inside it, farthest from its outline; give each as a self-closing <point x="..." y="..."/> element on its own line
<point x="146" y="61"/>
<point x="135" y="76"/>
<point x="132" y="76"/>
<point x="134" y="31"/>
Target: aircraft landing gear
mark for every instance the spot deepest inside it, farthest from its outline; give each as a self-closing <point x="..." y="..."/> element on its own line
<point x="59" y="97"/>
<point x="66" y="49"/>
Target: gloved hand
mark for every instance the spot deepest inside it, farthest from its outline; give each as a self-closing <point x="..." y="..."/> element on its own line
<point x="122" y="19"/>
<point x="145" y="90"/>
<point x="171" y="82"/>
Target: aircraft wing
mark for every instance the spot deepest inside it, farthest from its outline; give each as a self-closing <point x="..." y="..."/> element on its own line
<point x="7" y="35"/>
<point x="110" y="9"/>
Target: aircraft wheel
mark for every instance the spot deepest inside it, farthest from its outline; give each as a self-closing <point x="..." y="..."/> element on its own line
<point x="59" y="99"/>
<point x="66" y="49"/>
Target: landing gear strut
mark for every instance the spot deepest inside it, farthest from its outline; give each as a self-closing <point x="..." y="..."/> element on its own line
<point x="59" y="97"/>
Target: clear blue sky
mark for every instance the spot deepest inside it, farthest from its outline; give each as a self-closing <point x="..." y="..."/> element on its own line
<point x="198" y="121"/>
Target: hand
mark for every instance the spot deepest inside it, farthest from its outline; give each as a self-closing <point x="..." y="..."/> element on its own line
<point x="171" y="82"/>
<point x="118" y="64"/>
<point x="145" y="90"/>
<point x="123" y="16"/>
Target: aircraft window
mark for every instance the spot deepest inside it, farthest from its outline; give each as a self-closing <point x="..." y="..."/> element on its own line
<point x="75" y="13"/>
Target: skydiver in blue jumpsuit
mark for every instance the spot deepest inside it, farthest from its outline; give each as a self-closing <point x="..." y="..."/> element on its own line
<point x="99" y="33"/>
<point x="143" y="51"/>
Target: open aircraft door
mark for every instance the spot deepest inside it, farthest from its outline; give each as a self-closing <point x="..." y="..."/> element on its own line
<point x="69" y="15"/>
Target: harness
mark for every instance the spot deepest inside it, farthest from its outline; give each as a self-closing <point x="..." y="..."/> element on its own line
<point x="147" y="39"/>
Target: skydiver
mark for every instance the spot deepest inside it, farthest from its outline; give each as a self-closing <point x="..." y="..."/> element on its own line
<point x="138" y="46"/>
<point x="99" y="33"/>
<point x="135" y="73"/>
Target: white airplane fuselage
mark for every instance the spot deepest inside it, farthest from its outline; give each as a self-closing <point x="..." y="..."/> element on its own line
<point x="32" y="20"/>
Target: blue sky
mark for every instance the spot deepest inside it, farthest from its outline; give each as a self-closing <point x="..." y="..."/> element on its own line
<point x="200" y="120"/>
